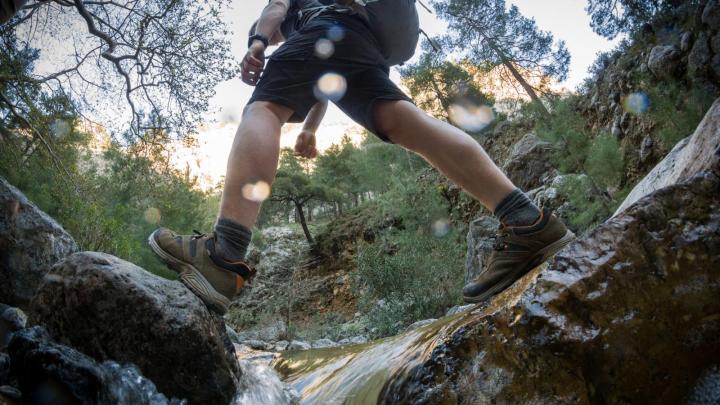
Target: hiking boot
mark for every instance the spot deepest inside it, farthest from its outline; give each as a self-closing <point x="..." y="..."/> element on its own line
<point x="200" y="268"/>
<point x="517" y="250"/>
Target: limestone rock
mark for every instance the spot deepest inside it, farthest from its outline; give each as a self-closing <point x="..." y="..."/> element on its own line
<point x="628" y="314"/>
<point x="113" y="310"/>
<point x="322" y="343"/>
<point x="664" y="61"/>
<point x="528" y="162"/>
<point x="685" y="41"/>
<point x="480" y="245"/>
<point x="298" y="345"/>
<point x="30" y="243"/>
<point x="699" y="152"/>
<point x="711" y="14"/>
<point x="699" y="56"/>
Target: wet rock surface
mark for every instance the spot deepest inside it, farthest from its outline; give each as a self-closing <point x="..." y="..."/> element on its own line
<point x="113" y="310"/>
<point x="30" y="243"/>
<point x="628" y="314"/>
<point x="51" y="373"/>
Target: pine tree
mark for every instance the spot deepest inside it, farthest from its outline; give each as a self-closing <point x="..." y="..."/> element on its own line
<point x="491" y="35"/>
<point x="612" y="17"/>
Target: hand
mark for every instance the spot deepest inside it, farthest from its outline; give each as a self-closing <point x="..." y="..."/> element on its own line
<point x="253" y="63"/>
<point x="305" y="145"/>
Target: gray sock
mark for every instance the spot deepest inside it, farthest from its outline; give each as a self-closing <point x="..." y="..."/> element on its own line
<point x="516" y="209"/>
<point x="233" y="239"/>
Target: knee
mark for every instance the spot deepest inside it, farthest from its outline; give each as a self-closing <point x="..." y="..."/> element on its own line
<point x="398" y="120"/>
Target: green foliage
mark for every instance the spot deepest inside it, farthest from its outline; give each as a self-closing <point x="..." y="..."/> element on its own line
<point x="676" y="111"/>
<point x="593" y="158"/>
<point x="610" y="18"/>
<point x="408" y="276"/>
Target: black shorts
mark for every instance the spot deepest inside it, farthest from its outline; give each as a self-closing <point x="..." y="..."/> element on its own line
<point x="293" y="70"/>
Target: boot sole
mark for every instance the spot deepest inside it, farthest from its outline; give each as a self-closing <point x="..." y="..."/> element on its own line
<point x="192" y="279"/>
<point x="542" y="256"/>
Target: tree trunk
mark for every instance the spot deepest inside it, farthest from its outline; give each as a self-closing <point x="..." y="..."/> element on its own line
<point x="525" y="85"/>
<point x="303" y="223"/>
<point x="443" y="101"/>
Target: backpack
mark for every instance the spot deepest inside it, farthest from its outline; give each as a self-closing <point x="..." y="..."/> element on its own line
<point x="396" y="26"/>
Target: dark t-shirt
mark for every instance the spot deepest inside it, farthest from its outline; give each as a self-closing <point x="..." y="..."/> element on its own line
<point x="299" y="13"/>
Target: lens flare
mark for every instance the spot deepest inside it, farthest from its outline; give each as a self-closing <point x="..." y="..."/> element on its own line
<point x="636" y="103"/>
<point x="152" y="215"/>
<point x="331" y="86"/>
<point x="441" y="228"/>
<point x="471" y="117"/>
<point x="257" y="192"/>
<point x="60" y="128"/>
<point x="336" y="33"/>
<point x="324" y="48"/>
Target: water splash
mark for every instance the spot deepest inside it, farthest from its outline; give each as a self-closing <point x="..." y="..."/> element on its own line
<point x="441" y="228"/>
<point x="257" y="192"/>
<point x="331" y="86"/>
<point x="336" y="33"/>
<point x="260" y="384"/>
<point x="471" y="117"/>
<point x="152" y="215"/>
<point x="324" y="48"/>
<point x="127" y="386"/>
<point x="636" y="103"/>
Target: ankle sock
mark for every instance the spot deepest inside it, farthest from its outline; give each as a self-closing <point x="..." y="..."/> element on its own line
<point x="233" y="239"/>
<point x="516" y="209"/>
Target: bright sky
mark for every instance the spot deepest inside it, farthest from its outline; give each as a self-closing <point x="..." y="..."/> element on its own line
<point x="566" y="19"/>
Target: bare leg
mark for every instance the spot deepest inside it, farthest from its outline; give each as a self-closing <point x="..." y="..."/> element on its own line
<point x="254" y="157"/>
<point x="450" y="150"/>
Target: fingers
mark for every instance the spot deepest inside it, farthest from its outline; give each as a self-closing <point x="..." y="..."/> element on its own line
<point x="252" y="69"/>
<point x="305" y="145"/>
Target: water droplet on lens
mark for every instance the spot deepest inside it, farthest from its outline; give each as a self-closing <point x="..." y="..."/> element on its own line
<point x="636" y="103"/>
<point x="257" y="192"/>
<point x="336" y="33"/>
<point x="440" y="228"/>
<point x="324" y="48"/>
<point x="331" y="86"/>
<point x="60" y="128"/>
<point x="152" y="215"/>
<point x="471" y="117"/>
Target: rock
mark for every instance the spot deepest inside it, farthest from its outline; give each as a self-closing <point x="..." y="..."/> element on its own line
<point x="281" y="345"/>
<point x="699" y="56"/>
<point x="30" y="243"/>
<point x="8" y="391"/>
<point x="4" y="368"/>
<point x="258" y="345"/>
<point x="707" y="388"/>
<point x="699" y="152"/>
<point x="344" y="342"/>
<point x="50" y="373"/>
<point x="322" y="343"/>
<point x="646" y="148"/>
<point x="234" y="337"/>
<point x="590" y="327"/>
<point x="298" y="345"/>
<point x="358" y="340"/>
<point x="715" y="43"/>
<point x="419" y="324"/>
<point x="685" y="41"/>
<point x="715" y="65"/>
<point x="340" y="280"/>
<point x="664" y="61"/>
<point x="711" y="14"/>
<point x="458" y="308"/>
<point x="617" y="130"/>
<point x="528" y="162"/>
<point x="480" y="241"/>
<point x="113" y="310"/>
<point x="11" y="320"/>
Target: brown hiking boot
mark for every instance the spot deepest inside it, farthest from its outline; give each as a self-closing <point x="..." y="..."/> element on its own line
<point x="200" y="269"/>
<point x="518" y="249"/>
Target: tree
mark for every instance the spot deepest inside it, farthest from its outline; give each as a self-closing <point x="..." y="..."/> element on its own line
<point x="491" y="35"/>
<point x="162" y="57"/>
<point x="335" y="168"/>
<point x="293" y="185"/>
<point x="435" y="83"/>
<point x="612" y="17"/>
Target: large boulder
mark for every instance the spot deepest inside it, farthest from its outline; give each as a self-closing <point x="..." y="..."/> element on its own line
<point x="30" y="243"/>
<point x="701" y="151"/>
<point x="529" y="162"/>
<point x="700" y="55"/>
<point x="664" y="61"/>
<point x="629" y="314"/>
<point x="113" y="310"/>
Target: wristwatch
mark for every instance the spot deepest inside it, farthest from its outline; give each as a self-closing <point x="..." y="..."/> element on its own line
<point x="259" y="37"/>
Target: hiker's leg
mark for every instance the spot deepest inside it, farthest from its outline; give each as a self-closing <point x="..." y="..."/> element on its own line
<point x="253" y="157"/>
<point x="450" y="150"/>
